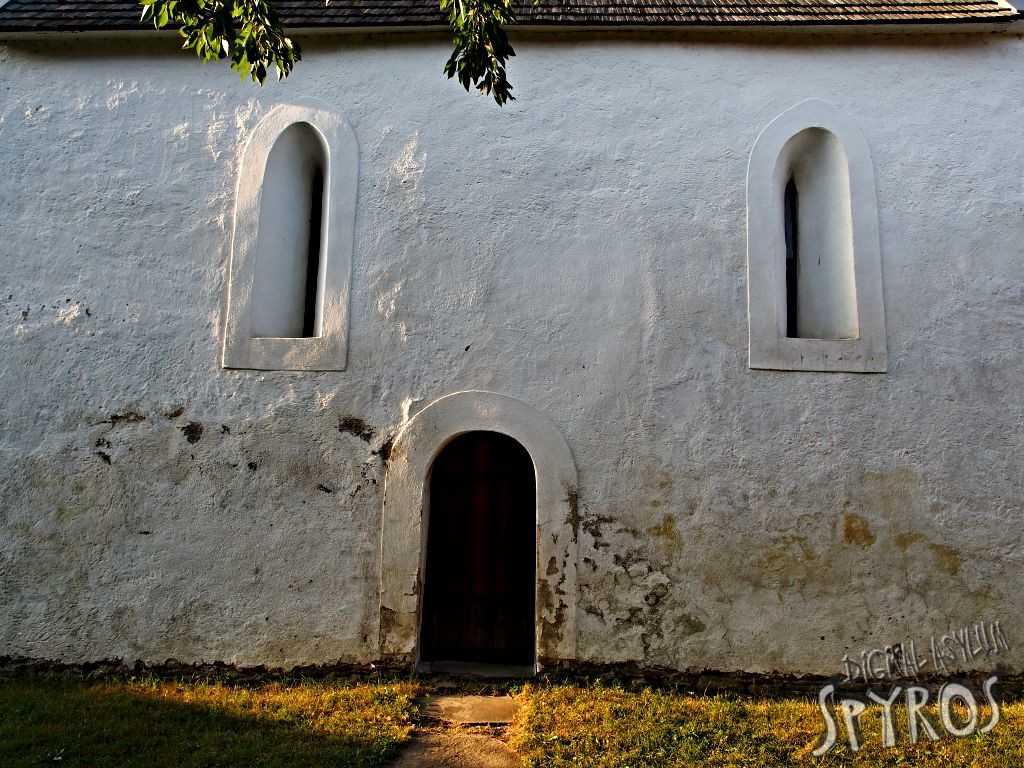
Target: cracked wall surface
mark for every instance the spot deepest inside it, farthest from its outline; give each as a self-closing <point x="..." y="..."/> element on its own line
<point x="582" y="250"/>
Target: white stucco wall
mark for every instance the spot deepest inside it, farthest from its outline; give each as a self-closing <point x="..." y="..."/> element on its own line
<point x="584" y="251"/>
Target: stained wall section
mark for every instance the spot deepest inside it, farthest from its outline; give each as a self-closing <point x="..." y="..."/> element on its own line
<point x="583" y="251"/>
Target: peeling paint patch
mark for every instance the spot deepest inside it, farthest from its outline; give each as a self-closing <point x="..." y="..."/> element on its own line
<point x="384" y="452"/>
<point x="193" y="431"/>
<point x="353" y="425"/>
<point x="552" y="611"/>
<point x="175" y="411"/>
<point x="593" y="527"/>
<point x="572" y="498"/>
<point x="654" y="597"/>
<point x="68" y="315"/>
<point x="128" y="417"/>
<point x="388" y="622"/>
<point x="688" y="625"/>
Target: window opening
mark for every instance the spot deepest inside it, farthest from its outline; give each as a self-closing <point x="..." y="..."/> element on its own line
<point x="311" y="315"/>
<point x="792" y="227"/>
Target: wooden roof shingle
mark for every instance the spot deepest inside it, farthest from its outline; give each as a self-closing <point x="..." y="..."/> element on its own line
<point x="87" y="15"/>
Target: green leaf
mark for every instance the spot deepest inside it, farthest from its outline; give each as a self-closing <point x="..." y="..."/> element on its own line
<point x="249" y="33"/>
<point x="481" y="46"/>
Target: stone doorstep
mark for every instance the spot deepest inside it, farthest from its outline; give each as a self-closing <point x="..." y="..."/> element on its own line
<point x="470" y="710"/>
<point x="456" y="749"/>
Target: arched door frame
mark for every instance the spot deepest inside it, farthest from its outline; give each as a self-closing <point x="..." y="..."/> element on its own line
<point x="405" y="518"/>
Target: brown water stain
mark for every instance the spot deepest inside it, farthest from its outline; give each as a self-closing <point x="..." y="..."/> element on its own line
<point x="947" y="559"/>
<point x="857" y="531"/>
<point x="667" y="533"/>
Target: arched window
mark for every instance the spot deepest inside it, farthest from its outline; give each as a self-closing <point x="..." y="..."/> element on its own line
<point x="292" y="246"/>
<point x="286" y="294"/>
<point x="813" y="264"/>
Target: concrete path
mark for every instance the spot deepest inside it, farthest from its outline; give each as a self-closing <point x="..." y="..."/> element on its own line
<point x="452" y="743"/>
<point x="470" y="710"/>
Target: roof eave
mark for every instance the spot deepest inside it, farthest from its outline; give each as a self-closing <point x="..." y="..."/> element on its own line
<point x="974" y="25"/>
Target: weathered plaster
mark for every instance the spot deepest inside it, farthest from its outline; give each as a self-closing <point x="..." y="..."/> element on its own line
<point x="583" y="251"/>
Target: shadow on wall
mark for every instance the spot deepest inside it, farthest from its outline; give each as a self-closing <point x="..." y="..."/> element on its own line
<point x="149" y="723"/>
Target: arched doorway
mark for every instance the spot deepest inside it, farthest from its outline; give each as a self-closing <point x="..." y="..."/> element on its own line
<point x="479" y="587"/>
<point x="406" y="513"/>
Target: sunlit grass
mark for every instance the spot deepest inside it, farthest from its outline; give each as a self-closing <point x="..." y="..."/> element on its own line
<point x="608" y="727"/>
<point x="123" y="723"/>
<point x="145" y="722"/>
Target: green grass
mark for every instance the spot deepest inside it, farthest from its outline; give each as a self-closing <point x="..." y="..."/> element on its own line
<point x="131" y="722"/>
<point x="160" y="723"/>
<point x="607" y="727"/>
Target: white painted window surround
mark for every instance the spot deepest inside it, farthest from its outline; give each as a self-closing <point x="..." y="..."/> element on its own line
<point x="266" y="283"/>
<point x="840" y="288"/>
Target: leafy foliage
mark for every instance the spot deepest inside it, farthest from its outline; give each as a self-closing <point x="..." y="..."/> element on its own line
<point x="481" y="45"/>
<point x="250" y="34"/>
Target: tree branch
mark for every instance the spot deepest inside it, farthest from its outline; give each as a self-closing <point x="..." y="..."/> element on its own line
<point x="250" y="34"/>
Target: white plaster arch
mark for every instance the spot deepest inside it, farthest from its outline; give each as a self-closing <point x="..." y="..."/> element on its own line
<point x="404" y="528"/>
<point x="767" y="175"/>
<point x="329" y="350"/>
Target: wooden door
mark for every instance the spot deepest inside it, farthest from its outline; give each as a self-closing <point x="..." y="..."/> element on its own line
<point x="478" y="592"/>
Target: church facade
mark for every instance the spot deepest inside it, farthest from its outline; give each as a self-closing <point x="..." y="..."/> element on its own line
<point x="704" y="353"/>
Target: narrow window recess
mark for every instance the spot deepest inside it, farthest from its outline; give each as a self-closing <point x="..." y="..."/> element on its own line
<point x="820" y="285"/>
<point x="814" y="277"/>
<point x="312" y="313"/>
<point x="792" y="213"/>
<point x="291" y="249"/>
<point x="287" y="294"/>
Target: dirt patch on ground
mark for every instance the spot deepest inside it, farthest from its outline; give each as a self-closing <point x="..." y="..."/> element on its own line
<point x="456" y="747"/>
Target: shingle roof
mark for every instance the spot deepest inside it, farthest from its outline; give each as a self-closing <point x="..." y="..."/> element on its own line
<point x="83" y="15"/>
